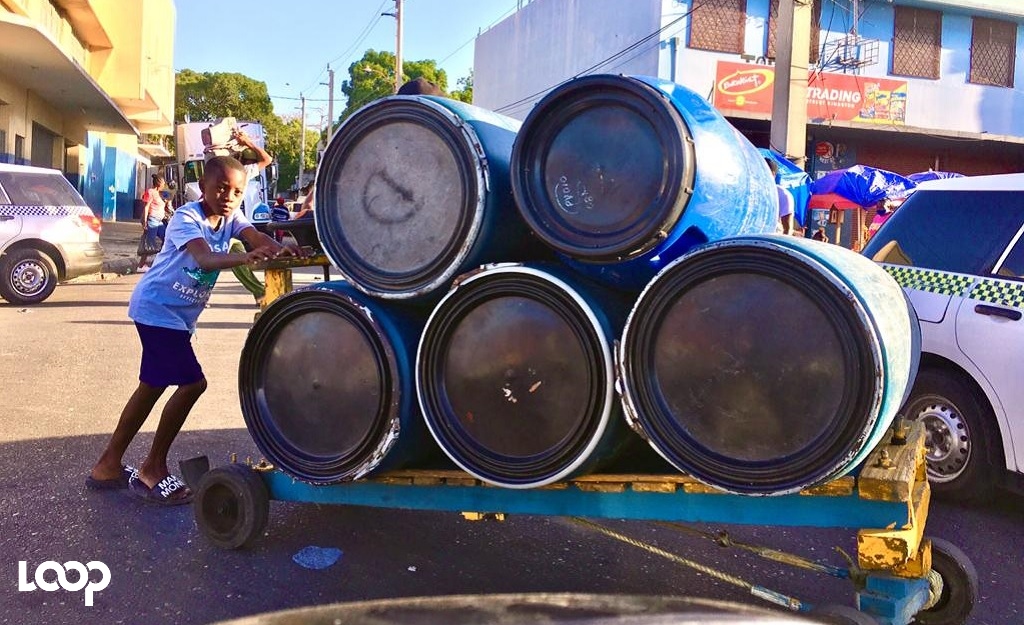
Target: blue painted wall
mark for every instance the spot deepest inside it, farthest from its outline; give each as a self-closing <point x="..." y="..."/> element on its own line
<point x="108" y="182"/>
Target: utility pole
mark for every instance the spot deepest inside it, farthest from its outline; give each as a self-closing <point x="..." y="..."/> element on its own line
<point x="302" y="140"/>
<point x="398" y="43"/>
<point x="789" y="95"/>
<point x="330" y="104"/>
<point x="397" y="46"/>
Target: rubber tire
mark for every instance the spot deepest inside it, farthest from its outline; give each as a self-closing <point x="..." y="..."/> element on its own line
<point x="836" y="614"/>
<point x="978" y="481"/>
<point x="959" y="586"/>
<point x="10" y="260"/>
<point x="231" y="506"/>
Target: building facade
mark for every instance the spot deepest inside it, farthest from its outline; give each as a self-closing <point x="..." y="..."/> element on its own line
<point x="909" y="85"/>
<point x="81" y="84"/>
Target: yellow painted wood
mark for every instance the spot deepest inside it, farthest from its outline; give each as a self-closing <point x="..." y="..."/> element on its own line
<point x="655" y="487"/>
<point x="891" y="470"/>
<point x="901" y="551"/>
<point x="277" y="274"/>
<point x="839" y="487"/>
<point x="601" y="487"/>
<point x="278" y="282"/>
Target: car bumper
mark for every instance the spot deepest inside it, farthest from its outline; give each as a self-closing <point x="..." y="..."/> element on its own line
<point x="81" y="259"/>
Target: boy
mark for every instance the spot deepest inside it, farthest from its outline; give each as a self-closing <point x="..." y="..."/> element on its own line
<point x="165" y="306"/>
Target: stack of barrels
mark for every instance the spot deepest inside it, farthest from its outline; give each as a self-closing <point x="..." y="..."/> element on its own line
<point x="597" y="289"/>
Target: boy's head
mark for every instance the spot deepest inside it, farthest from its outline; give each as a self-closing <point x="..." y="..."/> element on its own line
<point x="223" y="185"/>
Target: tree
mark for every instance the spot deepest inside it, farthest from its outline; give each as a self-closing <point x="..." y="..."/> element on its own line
<point x="465" y="92"/>
<point x="211" y="95"/>
<point x="373" y="77"/>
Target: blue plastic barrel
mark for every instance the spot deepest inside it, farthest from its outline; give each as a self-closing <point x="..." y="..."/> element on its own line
<point x="515" y="378"/>
<point x="327" y="386"/>
<point x="624" y="174"/>
<point x="766" y="365"/>
<point x="413" y="191"/>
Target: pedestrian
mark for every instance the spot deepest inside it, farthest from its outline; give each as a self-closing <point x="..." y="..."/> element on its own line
<point x="165" y="306"/>
<point x="153" y="214"/>
<point x="820" y="235"/>
<point x="244" y="273"/>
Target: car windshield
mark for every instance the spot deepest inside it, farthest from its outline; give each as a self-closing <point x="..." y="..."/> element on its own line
<point x="960" y="231"/>
<point x="39" y="189"/>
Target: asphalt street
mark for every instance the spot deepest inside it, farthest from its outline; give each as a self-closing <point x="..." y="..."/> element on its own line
<point x="69" y="365"/>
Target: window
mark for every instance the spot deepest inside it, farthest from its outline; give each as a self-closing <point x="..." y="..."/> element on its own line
<point x="993" y="44"/>
<point x="960" y="231"/>
<point x="717" y="25"/>
<point x="773" y="26"/>
<point x="1013" y="266"/>
<point x="3" y="146"/>
<point x="916" y="42"/>
<point x="32" y="189"/>
<point x="19" y="148"/>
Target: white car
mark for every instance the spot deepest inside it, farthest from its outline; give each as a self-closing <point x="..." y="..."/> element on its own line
<point x="956" y="248"/>
<point x="47" y="233"/>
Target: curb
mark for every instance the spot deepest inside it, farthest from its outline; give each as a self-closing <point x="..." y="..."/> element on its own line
<point x="111" y="270"/>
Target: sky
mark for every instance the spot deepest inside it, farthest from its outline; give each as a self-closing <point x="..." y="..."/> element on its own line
<point x="288" y="44"/>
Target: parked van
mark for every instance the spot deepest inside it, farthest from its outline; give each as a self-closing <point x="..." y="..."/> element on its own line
<point x="956" y="246"/>
<point x="47" y="233"/>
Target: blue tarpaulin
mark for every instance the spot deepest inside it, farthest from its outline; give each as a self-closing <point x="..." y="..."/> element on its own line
<point x="795" y="180"/>
<point x="863" y="185"/>
<point x="923" y="176"/>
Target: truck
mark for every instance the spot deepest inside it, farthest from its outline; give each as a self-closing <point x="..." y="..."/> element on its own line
<point x="197" y="141"/>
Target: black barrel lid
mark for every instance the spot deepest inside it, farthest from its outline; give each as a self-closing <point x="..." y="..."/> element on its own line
<point x="603" y="167"/>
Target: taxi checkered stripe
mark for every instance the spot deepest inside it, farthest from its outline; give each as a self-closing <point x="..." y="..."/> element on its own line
<point x="930" y="280"/>
<point x="43" y="211"/>
<point x="996" y="292"/>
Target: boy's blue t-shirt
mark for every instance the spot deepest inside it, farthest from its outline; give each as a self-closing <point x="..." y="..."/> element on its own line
<point x="175" y="290"/>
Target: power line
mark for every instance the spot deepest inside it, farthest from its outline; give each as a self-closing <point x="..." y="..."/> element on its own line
<point x="530" y="98"/>
<point x="472" y="39"/>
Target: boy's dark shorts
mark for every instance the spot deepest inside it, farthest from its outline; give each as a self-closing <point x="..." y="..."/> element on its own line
<point x="167" y="357"/>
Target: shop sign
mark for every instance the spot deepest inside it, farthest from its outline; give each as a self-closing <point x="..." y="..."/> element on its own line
<point x="830" y="97"/>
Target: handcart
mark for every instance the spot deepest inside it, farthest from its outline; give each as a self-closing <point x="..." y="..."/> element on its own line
<point x="899" y="575"/>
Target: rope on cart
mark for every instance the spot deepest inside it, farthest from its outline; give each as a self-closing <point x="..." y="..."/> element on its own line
<point x="761" y="592"/>
<point x="723" y="539"/>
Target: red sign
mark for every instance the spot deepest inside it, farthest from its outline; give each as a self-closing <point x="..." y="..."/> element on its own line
<point x="830" y="97"/>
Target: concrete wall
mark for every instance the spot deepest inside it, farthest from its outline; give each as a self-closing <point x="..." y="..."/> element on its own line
<point x="548" y="41"/>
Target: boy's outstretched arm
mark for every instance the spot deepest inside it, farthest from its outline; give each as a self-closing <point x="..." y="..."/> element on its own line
<point x="255" y="239"/>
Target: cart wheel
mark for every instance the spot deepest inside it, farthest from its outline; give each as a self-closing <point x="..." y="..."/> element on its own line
<point x="231" y="506"/>
<point x="954" y="586"/>
<point x="836" y="614"/>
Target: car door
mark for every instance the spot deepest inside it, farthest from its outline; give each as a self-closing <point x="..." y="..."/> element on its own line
<point x="10" y="220"/>
<point x="990" y="332"/>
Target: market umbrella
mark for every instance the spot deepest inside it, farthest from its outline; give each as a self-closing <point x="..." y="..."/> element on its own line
<point x="831" y="200"/>
<point x="795" y="180"/>
<point x="862" y="185"/>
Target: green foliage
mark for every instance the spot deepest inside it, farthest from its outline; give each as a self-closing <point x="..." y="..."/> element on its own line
<point x="373" y="77"/>
<point x="211" y="95"/>
<point x="465" y="91"/>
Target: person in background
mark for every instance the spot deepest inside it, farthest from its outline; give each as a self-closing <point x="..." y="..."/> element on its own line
<point x="154" y="213"/>
<point x="244" y="273"/>
<point x="306" y="210"/>
<point x="786" y="202"/>
<point x="420" y="86"/>
<point x="820" y="235"/>
<point x="165" y="306"/>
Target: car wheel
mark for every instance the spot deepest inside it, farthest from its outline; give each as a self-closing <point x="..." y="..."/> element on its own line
<point x="27" y="276"/>
<point x="961" y="436"/>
